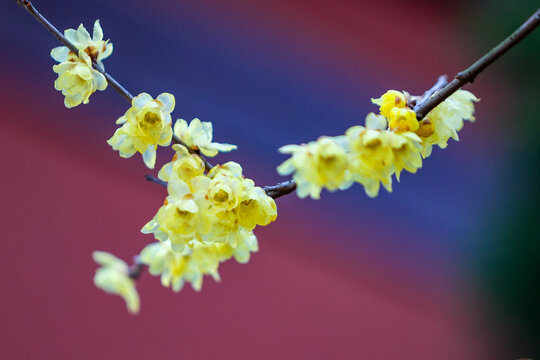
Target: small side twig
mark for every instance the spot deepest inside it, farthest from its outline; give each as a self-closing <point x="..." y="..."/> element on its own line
<point x="155" y="180"/>
<point x="278" y="190"/>
<point x="137" y="268"/>
<point x="273" y="191"/>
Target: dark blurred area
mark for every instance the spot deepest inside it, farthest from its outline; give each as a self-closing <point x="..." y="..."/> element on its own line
<point x="508" y="265"/>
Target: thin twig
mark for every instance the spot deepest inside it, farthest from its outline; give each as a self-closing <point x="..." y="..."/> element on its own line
<point x="155" y="180"/>
<point x="280" y="189"/>
<point x="273" y="191"/>
<point x="136" y="269"/>
<point x="468" y="75"/>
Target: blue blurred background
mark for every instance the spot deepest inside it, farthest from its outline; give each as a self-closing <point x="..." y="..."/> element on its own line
<point x="445" y="267"/>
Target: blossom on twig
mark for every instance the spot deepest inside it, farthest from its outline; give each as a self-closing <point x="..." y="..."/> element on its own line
<point x="146" y="124"/>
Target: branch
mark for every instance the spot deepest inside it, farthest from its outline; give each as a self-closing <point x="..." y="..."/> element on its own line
<point x="431" y="98"/>
<point x="442" y="89"/>
<point x="468" y="75"/>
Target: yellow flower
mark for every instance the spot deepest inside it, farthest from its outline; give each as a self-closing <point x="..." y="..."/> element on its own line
<point x="446" y="120"/>
<point x="198" y="136"/>
<point x="254" y="206"/>
<point x="321" y="163"/>
<point x="376" y="122"/>
<point x="241" y="247"/>
<point x="403" y="119"/>
<point x="389" y="100"/>
<point x="146" y="125"/>
<point x="371" y="158"/>
<point x="95" y="47"/>
<point x="176" y="268"/>
<point x="185" y="166"/>
<point x="77" y="79"/>
<point x="112" y="277"/>
<point x="406" y="148"/>
<point x="221" y="187"/>
<point x="221" y="191"/>
<point x="179" y="219"/>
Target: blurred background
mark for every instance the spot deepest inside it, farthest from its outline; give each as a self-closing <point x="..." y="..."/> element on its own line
<point x="445" y="267"/>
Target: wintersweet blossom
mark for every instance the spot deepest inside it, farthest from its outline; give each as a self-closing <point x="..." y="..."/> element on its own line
<point x="318" y="164"/>
<point x="371" y="158"/>
<point x="390" y="100"/>
<point x="77" y="79"/>
<point x="407" y="149"/>
<point x="146" y="124"/>
<point x="184" y="166"/>
<point x="179" y="219"/>
<point x="198" y="136"/>
<point x="444" y="121"/>
<point x="95" y="47"/>
<point x="190" y="266"/>
<point x="112" y="277"/>
<point x="254" y="206"/>
<point x="242" y="245"/>
<point x="402" y="119"/>
<point x="177" y="268"/>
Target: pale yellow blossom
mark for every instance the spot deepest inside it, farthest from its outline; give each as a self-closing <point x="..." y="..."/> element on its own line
<point x="146" y="124"/>
<point x="198" y="136"/>
<point x="446" y="120"/>
<point x="240" y="247"/>
<point x="179" y="219"/>
<point x="402" y="119"/>
<point x="77" y="79"/>
<point x="407" y="149"/>
<point x="95" y="47"/>
<point x="254" y="206"/>
<point x="112" y="277"/>
<point x="390" y="100"/>
<point x="184" y="166"/>
<point x="177" y="268"/>
<point x="318" y="164"/>
<point x="371" y="158"/>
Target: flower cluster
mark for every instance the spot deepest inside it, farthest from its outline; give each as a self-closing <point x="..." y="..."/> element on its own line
<point x="205" y="219"/>
<point x="389" y="143"/>
<point x="190" y="265"/>
<point x="198" y="136"/>
<point x="211" y="208"/>
<point x="77" y="78"/>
